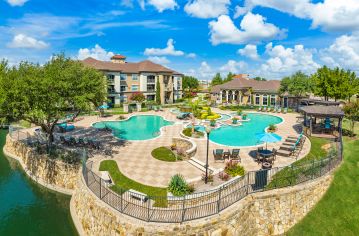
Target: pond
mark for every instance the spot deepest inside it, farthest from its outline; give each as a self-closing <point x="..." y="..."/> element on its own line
<point x="27" y="208"/>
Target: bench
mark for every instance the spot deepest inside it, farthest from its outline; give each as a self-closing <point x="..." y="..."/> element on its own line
<point x="138" y="195"/>
<point x="106" y="178"/>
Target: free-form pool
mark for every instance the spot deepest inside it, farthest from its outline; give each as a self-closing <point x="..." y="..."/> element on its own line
<point x="244" y="135"/>
<point x="140" y="127"/>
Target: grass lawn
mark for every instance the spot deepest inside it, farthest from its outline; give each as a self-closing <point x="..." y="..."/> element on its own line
<point x="337" y="213"/>
<point x="122" y="183"/>
<point x="163" y="154"/>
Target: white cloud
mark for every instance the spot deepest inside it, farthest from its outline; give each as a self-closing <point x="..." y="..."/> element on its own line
<point x="253" y="28"/>
<point x="159" y="60"/>
<point x="97" y="52"/>
<point x="191" y="55"/>
<point x="331" y="15"/>
<point x="127" y="3"/>
<point x="234" y="67"/>
<point x="344" y="52"/>
<point x="17" y="3"/>
<point x="285" y="61"/>
<point x="169" y="50"/>
<point x="24" y="41"/>
<point x="207" y="8"/>
<point x="249" y="51"/>
<point x="162" y="5"/>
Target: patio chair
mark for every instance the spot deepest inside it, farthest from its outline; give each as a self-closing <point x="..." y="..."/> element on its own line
<point x="279" y="110"/>
<point x="260" y="149"/>
<point x="226" y="155"/>
<point x="72" y="141"/>
<point x="63" y="140"/>
<point x="81" y="142"/>
<point x="285" y="110"/>
<point x="258" y="158"/>
<point x="235" y="154"/>
<point x="218" y="155"/>
<point x="260" y="109"/>
<point x="274" y="155"/>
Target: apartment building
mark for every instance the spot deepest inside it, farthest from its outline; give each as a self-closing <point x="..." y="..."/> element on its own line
<point x="125" y="78"/>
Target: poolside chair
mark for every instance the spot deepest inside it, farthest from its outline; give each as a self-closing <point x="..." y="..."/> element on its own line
<point x="226" y="155"/>
<point x="218" y="155"/>
<point x="72" y="141"/>
<point x="260" y="109"/>
<point x="274" y="151"/>
<point x="279" y="110"/>
<point x="81" y="142"/>
<point x="285" y="110"/>
<point x="235" y="154"/>
<point x="258" y="158"/>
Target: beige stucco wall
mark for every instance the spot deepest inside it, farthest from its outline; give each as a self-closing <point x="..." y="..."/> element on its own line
<point x="265" y="213"/>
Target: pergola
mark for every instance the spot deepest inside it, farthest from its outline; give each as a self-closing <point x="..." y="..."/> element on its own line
<point x="314" y="112"/>
<point x="310" y="102"/>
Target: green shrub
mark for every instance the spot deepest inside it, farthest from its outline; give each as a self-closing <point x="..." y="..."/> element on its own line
<point x="178" y="186"/>
<point x="234" y="169"/>
<point x="188" y="132"/>
<point x="272" y="127"/>
<point x="239" y="112"/>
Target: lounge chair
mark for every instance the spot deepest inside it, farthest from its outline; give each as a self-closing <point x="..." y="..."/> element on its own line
<point x="218" y="155"/>
<point x="183" y="115"/>
<point x="285" y="110"/>
<point x="279" y="110"/>
<point x="260" y="109"/>
<point x="235" y="154"/>
<point x="264" y="109"/>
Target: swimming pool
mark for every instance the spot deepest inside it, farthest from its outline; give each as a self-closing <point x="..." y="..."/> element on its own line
<point x="244" y="135"/>
<point x="139" y="127"/>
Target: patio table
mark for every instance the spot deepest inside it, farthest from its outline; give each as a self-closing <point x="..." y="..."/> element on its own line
<point x="265" y="153"/>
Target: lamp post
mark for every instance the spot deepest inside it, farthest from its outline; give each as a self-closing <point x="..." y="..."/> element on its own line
<point x="208" y="131"/>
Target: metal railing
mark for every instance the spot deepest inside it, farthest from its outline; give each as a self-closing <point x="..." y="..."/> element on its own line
<point x="170" y="209"/>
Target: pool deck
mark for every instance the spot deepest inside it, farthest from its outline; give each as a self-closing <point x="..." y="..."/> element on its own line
<point x="135" y="161"/>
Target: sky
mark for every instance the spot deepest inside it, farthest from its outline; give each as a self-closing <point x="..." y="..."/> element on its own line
<point x="267" y="38"/>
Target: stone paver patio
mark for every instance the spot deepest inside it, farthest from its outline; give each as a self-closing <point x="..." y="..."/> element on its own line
<point x="135" y="160"/>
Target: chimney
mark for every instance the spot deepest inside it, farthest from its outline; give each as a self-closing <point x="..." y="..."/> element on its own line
<point x="118" y="59"/>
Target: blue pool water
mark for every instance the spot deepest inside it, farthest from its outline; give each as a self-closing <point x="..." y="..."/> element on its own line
<point x="244" y="135"/>
<point x="136" y="128"/>
<point x="224" y="117"/>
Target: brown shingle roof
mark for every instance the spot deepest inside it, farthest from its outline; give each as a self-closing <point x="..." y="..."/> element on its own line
<point x="323" y="111"/>
<point x="143" y="66"/>
<point x="242" y="83"/>
<point x="118" y="56"/>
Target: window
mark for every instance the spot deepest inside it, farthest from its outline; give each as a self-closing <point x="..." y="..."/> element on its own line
<point x="265" y="100"/>
<point x="150" y="97"/>
<point x="110" y="78"/>
<point x="272" y="100"/>
<point x="123" y="88"/>
<point x="134" y="76"/>
<point x="150" y="88"/>
<point x="134" y="88"/>
<point x="257" y="99"/>
<point x="151" y="79"/>
<point x="123" y="76"/>
<point x="111" y="89"/>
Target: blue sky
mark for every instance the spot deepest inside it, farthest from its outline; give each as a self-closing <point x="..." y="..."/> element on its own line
<point x="269" y="38"/>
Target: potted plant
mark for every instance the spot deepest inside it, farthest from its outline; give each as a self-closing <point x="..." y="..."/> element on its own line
<point x="272" y="128"/>
<point x="234" y="120"/>
<point x="213" y="122"/>
<point x="239" y="112"/>
<point x="244" y="116"/>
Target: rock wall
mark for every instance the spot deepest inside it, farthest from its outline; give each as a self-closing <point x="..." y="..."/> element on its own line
<point x="187" y="145"/>
<point x="54" y="174"/>
<point x="265" y="213"/>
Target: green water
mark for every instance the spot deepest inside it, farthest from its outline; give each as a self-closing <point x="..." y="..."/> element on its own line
<point x="26" y="208"/>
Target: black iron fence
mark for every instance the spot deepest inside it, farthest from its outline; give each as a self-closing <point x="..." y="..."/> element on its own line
<point x="173" y="209"/>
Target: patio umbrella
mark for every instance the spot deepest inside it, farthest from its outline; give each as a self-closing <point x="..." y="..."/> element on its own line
<point x="268" y="137"/>
<point x="104" y="106"/>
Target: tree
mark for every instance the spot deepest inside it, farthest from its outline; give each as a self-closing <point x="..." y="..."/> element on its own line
<point x="229" y="77"/>
<point x="335" y="83"/>
<point x="351" y="110"/>
<point x="42" y="95"/>
<point x="158" y="92"/>
<point x="217" y="79"/>
<point x="138" y="97"/>
<point x="297" y="84"/>
<point x="190" y="83"/>
<point x="260" y="78"/>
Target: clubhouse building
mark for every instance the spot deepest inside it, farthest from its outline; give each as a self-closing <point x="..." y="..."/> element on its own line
<point x="125" y="78"/>
<point x="245" y="91"/>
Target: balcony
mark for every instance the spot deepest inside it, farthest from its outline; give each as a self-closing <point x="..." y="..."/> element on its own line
<point x="111" y="91"/>
<point x="151" y="81"/>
